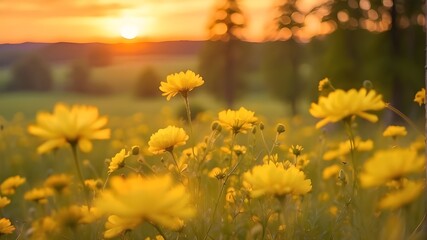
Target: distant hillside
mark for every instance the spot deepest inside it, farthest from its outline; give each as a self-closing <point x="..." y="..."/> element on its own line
<point x="63" y="51"/>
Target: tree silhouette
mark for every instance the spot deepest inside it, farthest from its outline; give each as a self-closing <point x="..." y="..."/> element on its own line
<point x="223" y="58"/>
<point x="79" y="77"/>
<point x="31" y="73"/>
<point x="284" y="58"/>
<point x="148" y="83"/>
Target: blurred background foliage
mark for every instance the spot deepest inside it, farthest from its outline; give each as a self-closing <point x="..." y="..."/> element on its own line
<point x="348" y="41"/>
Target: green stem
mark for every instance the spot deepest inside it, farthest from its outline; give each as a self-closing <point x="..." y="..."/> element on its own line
<point x="79" y="172"/>
<point x="222" y="189"/>
<point x="159" y="230"/>
<point x="266" y="147"/>
<point x="190" y="123"/>
<point x="352" y="150"/>
<point x="174" y="160"/>
<point x="404" y="117"/>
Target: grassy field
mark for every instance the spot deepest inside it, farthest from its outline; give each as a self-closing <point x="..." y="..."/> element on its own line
<point x="256" y="182"/>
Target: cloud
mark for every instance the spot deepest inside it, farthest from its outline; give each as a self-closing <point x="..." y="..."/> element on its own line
<point x="59" y="9"/>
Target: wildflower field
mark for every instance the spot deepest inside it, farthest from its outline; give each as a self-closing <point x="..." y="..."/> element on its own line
<point x="72" y="172"/>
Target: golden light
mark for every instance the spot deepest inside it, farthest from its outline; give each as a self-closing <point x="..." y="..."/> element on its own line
<point x="129" y="31"/>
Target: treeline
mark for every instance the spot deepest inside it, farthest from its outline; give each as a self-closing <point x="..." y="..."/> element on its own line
<point x="348" y="41"/>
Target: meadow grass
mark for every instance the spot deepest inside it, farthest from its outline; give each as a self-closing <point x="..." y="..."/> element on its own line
<point x="333" y="209"/>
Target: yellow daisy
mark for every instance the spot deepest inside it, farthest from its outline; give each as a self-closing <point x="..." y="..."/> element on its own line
<point x="344" y="148"/>
<point x="38" y="195"/>
<point x="118" y="161"/>
<point x="391" y="164"/>
<point x="90" y="215"/>
<point x="116" y="225"/>
<point x="241" y="120"/>
<point x="331" y="171"/>
<point x="395" y="131"/>
<point x="272" y="179"/>
<point x="4" y="201"/>
<point x="408" y="193"/>
<point x="9" y="185"/>
<point x="76" y="125"/>
<point x="340" y="104"/>
<point x="93" y="184"/>
<point x="167" y="139"/>
<point x="156" y="199"/>
<point x="180" y="83"/>
<point x="6" y="226"/>
<point x="296" y="150"/>
<point x="58" y="182"/>
<point x="44" y="228"/>
<point x="420" y="97"/>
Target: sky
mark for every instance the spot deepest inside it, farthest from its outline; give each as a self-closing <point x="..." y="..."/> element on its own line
<point x="102" y="20"/>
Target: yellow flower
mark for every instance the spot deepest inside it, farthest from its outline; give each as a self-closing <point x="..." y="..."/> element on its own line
<point x="38" y="195"/>
<point x="387" y="165"/>
<point x="273" y="158"/>
<point x="296" y="150"/>
<point x="408" y="193"/>
<point x="116" y="225"/>
<point x="4" y="201"/>
<point x="44" y="228"/>
<point x="340" y="104"/>
<point x="93" y="184"/>
<point x="76" y="125"/>
<point x="274" y="179"/>
<point x="239" y="150"/>
<point x="118" y="161"/>
<point x="344" y="148"/>
<point x="394" y="131"/>
<point x="230" y="195"/>
<point x="58" y="182"/>
<point x="69" y="217"/>
<point x="180" y="83"/>
<point x="166" y="139"/>
<point x="90" y="215"/>
<point x="330" y="171"/>
<point x="420" y="97"/>
<point x="156" y="199"/>
<point x="237" y="121"/>
<point x="9" y="185"/>
<point x="302" y="161"/>
<point x="6" y="226"/>
<point x="325" y="87"/>
<point x="218" y="173"/>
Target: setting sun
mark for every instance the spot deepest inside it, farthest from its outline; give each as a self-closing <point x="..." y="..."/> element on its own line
<point x="129" y="31"/>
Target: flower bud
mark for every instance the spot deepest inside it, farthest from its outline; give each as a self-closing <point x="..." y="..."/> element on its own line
<point x="368" y="85"/>
<point x="216" y="127"/>
<point x="280" y="128"/>
<point x="261" y="126"/>
<point x="135" y="150"/>
<point x="254" y="130"/>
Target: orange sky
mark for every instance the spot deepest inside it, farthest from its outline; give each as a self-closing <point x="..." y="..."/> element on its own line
<point x="101" y="20"/>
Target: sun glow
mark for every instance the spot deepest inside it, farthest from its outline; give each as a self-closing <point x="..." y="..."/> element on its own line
<point x="129" y="31"/>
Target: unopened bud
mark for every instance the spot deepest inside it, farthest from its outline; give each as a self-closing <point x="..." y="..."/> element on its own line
<point x="368" y="85"/>
<point x="254" y="130"/>
<point x="216" y="127"/>
<point x="280" y="128"/>
<point x="135" y="150"/>
<point x="261" y="126"/>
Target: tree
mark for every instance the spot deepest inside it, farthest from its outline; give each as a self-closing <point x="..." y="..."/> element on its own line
<point x="284" y="58"/>
<point x="223" y="59"/>
<point x="148" y="83"/>
<point x="377" y="40"/>
<point x="79" y="77"/>
<point x="31" y="73"/>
